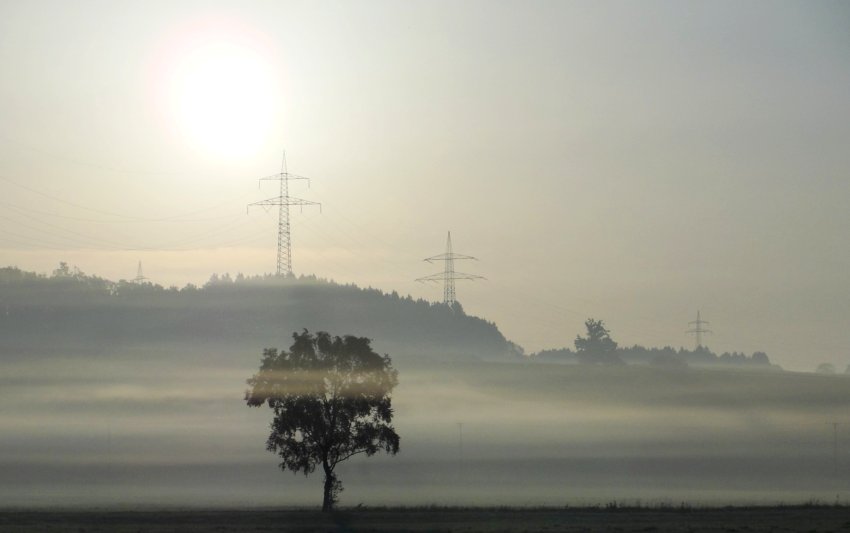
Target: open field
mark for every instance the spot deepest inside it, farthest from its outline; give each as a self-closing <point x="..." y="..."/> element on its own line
<point x="149" y="429"/>
<point x="729" y="519"/>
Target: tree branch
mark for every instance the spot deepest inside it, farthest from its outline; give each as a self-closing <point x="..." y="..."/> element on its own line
<point x="339" y="460"/>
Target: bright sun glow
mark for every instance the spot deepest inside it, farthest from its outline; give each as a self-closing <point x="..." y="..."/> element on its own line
<point x="220" y="90"/>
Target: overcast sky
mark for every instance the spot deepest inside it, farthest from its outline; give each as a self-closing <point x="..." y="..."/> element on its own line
<point x="628" y="161"/>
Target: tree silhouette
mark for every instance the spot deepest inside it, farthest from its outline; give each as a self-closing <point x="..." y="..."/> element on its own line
<point x="825" y="368"/>
<point x="331" y="401"/>
<point x="598" y="347"/>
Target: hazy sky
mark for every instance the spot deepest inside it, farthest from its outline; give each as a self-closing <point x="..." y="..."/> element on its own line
<point x="628" y="161"/>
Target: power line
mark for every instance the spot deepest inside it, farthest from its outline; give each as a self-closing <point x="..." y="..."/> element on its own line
<point x="282" y="201"/>
<point x="448" y="276"/>
<point x="175" y="219"/>
<point x="76" y="161"/>
<point x="72" y="238"/>
<point x="121" y="216"/>
<point x="56" y="231"/>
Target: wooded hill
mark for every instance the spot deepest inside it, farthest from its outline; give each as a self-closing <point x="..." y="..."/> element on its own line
<point x="73" y="312"/>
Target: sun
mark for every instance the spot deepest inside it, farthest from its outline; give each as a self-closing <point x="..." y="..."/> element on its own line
<point x="219" y="88"/>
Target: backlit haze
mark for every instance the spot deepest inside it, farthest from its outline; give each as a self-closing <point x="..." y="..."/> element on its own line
<point x="632" y="162"/>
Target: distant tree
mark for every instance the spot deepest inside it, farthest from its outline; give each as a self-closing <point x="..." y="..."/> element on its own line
<point x="561" y="355"/>
<point x="63" y="271"/>
<point x="598" y="347"/>
<point x="825" y="368"/>
<point x="760" y="358"/>
<point x="666" y="360"/>
<point x="331" y="401"/>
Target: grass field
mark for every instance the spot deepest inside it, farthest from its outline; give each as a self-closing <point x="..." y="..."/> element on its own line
<point x="674" y="519"/>
<point x="148" y="429"/>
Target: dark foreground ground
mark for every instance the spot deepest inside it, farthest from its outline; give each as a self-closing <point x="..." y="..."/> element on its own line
<point x="775" y="519"/>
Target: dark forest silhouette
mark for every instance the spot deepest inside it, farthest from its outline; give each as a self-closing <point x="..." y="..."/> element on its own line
<point x="76" y="311"/>
<point x="597" y="347"/>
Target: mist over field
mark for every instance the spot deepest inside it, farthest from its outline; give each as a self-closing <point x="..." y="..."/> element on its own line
<point x="154" y="432"/>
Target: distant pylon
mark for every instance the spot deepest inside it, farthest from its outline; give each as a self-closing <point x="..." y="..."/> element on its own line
<point x="282" y="202"/>
<point x="835" y="442"/>
<point x="140" y="277"/>
<point x="698" y="330"/>
<point x="448" y="275"/>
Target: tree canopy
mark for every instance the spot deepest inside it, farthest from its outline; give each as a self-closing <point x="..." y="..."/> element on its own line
<point x="598" y="347"/>
<point x="331" y="400"/>
<point x="85" y="313"/>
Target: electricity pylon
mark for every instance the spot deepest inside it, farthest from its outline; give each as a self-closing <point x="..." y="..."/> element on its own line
<point x="698" y="330"/>
<point x="448" y="275"/>
<point x="282" y="201"/>
<point x="835" y="442"/>
<point x="140" y="277"/>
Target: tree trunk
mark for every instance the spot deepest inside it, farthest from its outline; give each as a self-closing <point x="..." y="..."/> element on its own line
<point x="328" y="501"/>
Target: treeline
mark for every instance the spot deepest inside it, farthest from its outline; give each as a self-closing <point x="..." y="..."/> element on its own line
<point x="70" y="310"/>
<point x="597" y="347"/>
<point x="666" y="356"/>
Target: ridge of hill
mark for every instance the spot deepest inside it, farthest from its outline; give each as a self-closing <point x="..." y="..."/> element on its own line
<point x="72" y="312"/>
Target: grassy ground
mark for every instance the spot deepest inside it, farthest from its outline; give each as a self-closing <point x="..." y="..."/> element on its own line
<point x="730" y="519"/>
<point x="139" y="431"/>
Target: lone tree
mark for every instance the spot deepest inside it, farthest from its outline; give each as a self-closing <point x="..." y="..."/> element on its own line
<point x="331" y="401"/>
<point x="598" y="347"/>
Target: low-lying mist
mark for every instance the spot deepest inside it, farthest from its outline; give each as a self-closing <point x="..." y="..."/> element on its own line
<point x="158" y="428"/>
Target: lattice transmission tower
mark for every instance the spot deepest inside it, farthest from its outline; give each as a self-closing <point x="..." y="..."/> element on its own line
<point x="140" y="277"/>
<point x="448" y="276"/>
<point x="283" y="201"/>
<point x="698" y="330"/>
